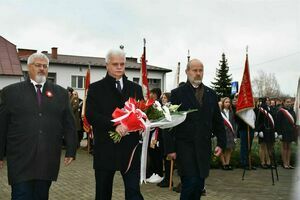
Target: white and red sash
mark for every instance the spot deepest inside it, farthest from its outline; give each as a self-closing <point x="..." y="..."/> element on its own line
<point x="227" y="122"/>
<point x="288" y="116"/>
<point x="268" y="115"/>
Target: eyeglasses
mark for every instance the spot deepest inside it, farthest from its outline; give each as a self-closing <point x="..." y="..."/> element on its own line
<point x="38" y="65"/>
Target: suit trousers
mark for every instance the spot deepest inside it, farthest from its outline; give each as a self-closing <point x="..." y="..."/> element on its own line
<point x="31" y="190"/>
<point x="191" y="187"/>
<point x="104" y="183"/>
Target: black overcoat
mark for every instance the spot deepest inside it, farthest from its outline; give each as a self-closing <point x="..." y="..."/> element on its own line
<point x="284" y="127"/>
<point x="31" y="135"/>
<point x="191" y="140"/>
<point x="263" y="124"/>
<point x="103" y="98"/>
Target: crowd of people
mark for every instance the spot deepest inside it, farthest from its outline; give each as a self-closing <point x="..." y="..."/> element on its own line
<point x="31" y="131"/>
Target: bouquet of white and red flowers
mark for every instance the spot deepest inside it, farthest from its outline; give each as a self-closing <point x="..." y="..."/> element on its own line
<point x="143" y="115"/>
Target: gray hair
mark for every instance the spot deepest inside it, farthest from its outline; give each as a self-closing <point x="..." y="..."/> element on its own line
<point x="114" y="52"/>
<point x="35" y="56"/>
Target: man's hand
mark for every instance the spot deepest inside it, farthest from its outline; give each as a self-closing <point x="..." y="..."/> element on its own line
<point x="261" y="134"/>
<point x="68" y="160"/>
<point x="172" y="156"/>
<point x="122" y="130"/>
<point x="1" y="164"/>
<point x="218" y="151"/>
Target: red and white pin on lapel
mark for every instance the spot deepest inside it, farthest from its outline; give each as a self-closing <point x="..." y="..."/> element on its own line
<point x="49" y="94"/>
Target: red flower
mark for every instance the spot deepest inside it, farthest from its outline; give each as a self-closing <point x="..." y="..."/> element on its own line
<point x="49" y="94"/>
<point x="133" y="122"/>
<point x="144" y="105"/>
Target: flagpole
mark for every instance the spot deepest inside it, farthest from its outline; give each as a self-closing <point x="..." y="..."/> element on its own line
<point x="178" y="74"/>
<point x="144" y="75"/>
<point x="248" y="129"/>
<point x="249" y="148"/>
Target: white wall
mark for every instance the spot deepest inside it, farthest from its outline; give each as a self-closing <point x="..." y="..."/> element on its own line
<point x="7" y="80"/>
<point x="64" y="73"/>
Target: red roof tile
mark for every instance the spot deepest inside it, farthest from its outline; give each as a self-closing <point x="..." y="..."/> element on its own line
<point x="9" y="60"/>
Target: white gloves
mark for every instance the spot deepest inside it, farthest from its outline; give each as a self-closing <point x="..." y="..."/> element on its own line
<point x="255" y="134"/>
<point x="276" y="134"/>
<point x="280" y="137"/>
<point x="261" y="134"/>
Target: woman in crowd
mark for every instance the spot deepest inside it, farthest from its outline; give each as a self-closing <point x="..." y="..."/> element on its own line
<point x="286" y="129"/>
<point x="167" y="163"/>
<point x="265" y="126"/>
<point x="228" y="117"/>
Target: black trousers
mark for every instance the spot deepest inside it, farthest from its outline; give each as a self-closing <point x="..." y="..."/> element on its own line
<point x="191" y="187"/>
<point x="31" y="190"/>
<point x="104" y="184"/>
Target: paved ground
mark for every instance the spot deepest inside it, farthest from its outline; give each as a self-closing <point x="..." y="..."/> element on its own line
<point x="77" y="182"/>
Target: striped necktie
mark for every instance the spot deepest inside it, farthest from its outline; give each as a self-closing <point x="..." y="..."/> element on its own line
<point x="39" y="94"/>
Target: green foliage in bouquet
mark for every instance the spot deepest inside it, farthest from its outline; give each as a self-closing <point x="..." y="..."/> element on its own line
<point x="154" y="114"/>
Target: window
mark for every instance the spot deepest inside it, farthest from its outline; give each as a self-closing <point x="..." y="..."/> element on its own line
<point x="52" y="77"/>
<point x="78" y="82"/>
<point x="154" y="83"/>
<point x="136" y="80"/>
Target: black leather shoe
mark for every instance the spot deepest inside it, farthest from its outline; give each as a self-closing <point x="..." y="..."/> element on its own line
<point x="164" y="183"/>
<point x="264" y="166"/>
<point x="203" y="193"/>
<point x="177" y="188"/>
<point x="252" y="168"/>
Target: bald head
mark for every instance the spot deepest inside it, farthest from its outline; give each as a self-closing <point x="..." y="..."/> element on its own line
<point x="194" y="72"/>
<point x="193" y="62"/>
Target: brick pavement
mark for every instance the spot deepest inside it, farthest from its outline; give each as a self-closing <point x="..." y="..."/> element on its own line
<point x="76" y="182"/>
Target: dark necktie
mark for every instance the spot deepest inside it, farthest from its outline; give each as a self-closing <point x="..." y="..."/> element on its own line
<point x="119" y="86"/>
<point x="39" y="94"/>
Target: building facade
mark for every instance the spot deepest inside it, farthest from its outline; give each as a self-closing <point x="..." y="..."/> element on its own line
<point x="70" y="70"/>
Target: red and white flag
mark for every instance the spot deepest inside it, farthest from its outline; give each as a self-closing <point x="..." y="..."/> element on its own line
<point x="144" y="74"/>
<point x="86" y="125"/>
<point x="245" y="102"/>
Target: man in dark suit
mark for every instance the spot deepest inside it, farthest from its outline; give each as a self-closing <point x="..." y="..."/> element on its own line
<point x="190" y="142"/>
<point x="103" y="98"/>
<point x="34" y="117"/>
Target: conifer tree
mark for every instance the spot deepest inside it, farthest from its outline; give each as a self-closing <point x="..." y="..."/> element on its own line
<point x="222" y="83"/>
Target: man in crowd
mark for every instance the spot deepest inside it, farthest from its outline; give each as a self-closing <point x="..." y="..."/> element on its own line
<point x="190" y="142"/>
<point x="103" y="98"/>
<point x="34" y="117"/>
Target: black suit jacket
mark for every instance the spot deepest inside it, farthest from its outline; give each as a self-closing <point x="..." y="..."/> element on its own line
<point x="32" y="134"/>
<point x="103" y="98"/>
<point x="191" y="140"/>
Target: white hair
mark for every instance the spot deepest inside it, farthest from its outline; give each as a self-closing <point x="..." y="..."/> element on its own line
<point x="114" y="52"/>
<point x="35" y="56"/>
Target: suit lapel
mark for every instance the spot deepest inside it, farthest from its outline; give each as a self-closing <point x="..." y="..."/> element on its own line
<point x="206" y="106"/>
<point x="46" y="89"/>
<point x="32" y="93"/>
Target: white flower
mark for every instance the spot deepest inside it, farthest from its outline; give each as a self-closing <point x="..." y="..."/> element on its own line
<point x="167" y="114"/>
<point x="158" y="106"/>
<point x="173" y="108"/>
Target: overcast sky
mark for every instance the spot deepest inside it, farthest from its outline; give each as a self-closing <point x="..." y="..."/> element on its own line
<point x="271" y="29"/>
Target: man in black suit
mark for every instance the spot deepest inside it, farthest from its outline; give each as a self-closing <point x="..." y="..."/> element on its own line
<point x="103" y="98"/>
<point x="34" y="117"/>
<point x="190" y="142"/>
